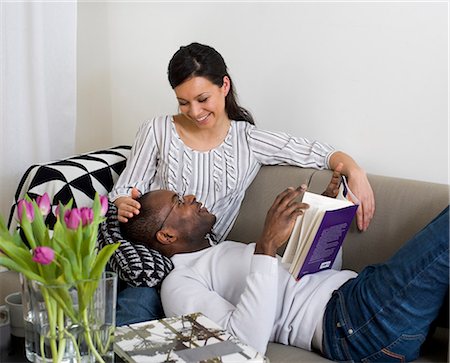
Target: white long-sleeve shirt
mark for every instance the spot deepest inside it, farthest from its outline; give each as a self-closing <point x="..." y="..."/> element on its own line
<point x="252" y="296"/>
<point x="219" y="177"/>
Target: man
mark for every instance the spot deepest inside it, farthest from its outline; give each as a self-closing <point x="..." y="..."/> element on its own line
<point x="383" y="312"/>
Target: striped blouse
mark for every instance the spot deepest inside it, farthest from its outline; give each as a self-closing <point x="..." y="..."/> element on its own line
<point x="219" y="177"/>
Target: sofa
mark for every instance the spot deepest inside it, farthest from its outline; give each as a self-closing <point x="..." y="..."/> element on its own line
<point x="403" y="207"/>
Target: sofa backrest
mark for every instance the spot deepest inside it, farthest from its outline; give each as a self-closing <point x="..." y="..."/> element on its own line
<point x="403" y="207"/>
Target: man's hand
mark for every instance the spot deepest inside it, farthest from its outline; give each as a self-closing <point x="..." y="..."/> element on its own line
<point x="128" y="207"/>
<point x="280" y="220"/>
<point x="333" y="188"/>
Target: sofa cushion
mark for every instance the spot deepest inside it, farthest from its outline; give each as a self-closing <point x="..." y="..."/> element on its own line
<point x="135" y="264"/>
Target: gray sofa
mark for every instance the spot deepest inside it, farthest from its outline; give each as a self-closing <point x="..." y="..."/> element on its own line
<point x="403" y="207"/>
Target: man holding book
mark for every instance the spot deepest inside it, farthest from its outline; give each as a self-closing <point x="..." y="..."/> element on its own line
<point x="383" y="312"/>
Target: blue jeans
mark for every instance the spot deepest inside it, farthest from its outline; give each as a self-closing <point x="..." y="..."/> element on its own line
<point x="136" y="304"/>
<point x="384" y="314"/>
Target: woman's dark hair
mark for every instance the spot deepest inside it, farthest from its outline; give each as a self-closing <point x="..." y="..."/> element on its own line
<point x="199" y="60"/>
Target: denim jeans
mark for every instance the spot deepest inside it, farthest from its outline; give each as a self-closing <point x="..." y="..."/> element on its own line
<point x="384" y="314"/>
<point x="136" y="304"/>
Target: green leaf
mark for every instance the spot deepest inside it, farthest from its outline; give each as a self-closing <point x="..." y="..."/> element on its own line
<point x="102" y="259"/>
<point x="20" y="255"/>
<point x="96" y="206"/>
<point x="67" y="270"/>
<point x="3" y="225"/>
<point x="12" y="265"/>
<point x="87" y="261"/>
<point x="86" y="290"/>
<point x="64" y="300"/>
<point x="77" y="242"/>
<point x="68" y="253"/>
<point x="27" y="230"/>
<point x="38" y="225"/>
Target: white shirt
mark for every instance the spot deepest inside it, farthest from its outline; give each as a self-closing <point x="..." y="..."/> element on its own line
<point x="252" y="296"/>
<point x="219" y="177"/>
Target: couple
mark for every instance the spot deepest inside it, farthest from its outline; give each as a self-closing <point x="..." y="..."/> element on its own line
<point x="381" y="314"/>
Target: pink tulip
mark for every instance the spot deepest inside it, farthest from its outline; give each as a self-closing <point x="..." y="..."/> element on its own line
<point x="43" y="203"/>
<point x="43" y="255"/>
<point x="72" y="218"/>
<point x="29" y="210"/>
<point x="104" y="204"/>
<point x="87" y="215"/>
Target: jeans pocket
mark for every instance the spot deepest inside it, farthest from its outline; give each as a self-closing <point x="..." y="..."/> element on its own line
<point x="404" y="349"/>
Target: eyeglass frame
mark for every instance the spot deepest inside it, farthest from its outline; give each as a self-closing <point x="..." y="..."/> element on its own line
<point x="180" y="200"/>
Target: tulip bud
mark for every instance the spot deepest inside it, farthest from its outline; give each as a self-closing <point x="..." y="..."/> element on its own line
<point x="104" y="204"/>
<point x="29" y="210"/>
<point x="43" y="203"/>
<point x="87" y="215"/>
<point x="43" y="255"/>
<point x="72" y="218"/>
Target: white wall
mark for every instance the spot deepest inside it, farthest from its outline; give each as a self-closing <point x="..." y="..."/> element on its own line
<point x="370" y="78"/>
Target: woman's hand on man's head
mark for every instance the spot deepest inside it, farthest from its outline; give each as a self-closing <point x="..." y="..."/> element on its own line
<point x="128" y="207"/>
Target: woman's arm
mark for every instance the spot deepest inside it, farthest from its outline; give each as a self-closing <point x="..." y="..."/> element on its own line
<point x="272" y="148"/>
<point x="359" y="185"/>
<point x="138" y="173"/>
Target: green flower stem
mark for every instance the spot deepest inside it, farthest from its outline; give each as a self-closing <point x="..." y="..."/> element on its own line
<point x="88" y="337"/>
<point x="42" y="346"/>
<point x="61" y="334"/>
<point x="75" y="345"/>
<point x="98" y="339"/>
<point x="52" y="317"/>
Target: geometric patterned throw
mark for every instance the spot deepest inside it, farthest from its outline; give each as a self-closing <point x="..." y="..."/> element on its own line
<point x="77" y="177"/>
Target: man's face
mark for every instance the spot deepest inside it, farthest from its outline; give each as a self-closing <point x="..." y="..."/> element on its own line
<point x="184" y="214"/>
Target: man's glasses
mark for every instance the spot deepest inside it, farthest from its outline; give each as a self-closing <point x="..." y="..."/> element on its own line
<point x="178" y="200"/>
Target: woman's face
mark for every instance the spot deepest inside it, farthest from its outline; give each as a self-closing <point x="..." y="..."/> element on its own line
<point x="202" y="101"/>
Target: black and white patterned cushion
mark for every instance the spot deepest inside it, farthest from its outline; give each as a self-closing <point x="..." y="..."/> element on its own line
<point x="134" y="263"/>
<point x="77" y="177"/>
<point x="80" y="177"/>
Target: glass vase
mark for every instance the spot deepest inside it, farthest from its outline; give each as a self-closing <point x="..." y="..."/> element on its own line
<point x="70" y="323"/>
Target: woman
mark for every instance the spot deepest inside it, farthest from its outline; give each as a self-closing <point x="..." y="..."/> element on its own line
<point x="213" y="150"/>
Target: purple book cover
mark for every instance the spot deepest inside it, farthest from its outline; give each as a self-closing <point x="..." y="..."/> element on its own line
<point x="328" y="240"/>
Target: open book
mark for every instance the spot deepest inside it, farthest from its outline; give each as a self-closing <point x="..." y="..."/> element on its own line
<point x="186" y="338"/>
<point x="319" y="233"/>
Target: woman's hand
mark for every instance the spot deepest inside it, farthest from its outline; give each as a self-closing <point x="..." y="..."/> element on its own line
<point x="128" y="207"/>
<point x="359" y="185"/>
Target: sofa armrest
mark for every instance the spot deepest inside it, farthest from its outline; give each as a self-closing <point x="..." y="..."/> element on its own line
<point x="403" y="208"/>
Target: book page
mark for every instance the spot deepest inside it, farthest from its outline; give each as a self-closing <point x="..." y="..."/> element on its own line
<point x="291" y="246"/>
<point x="312" y="218"/>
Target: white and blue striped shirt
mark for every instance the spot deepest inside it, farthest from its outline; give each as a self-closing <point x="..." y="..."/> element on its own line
<point x="219" y="177"/>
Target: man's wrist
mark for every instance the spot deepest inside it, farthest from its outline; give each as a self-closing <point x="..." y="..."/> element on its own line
<point x="265" y="249"/>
